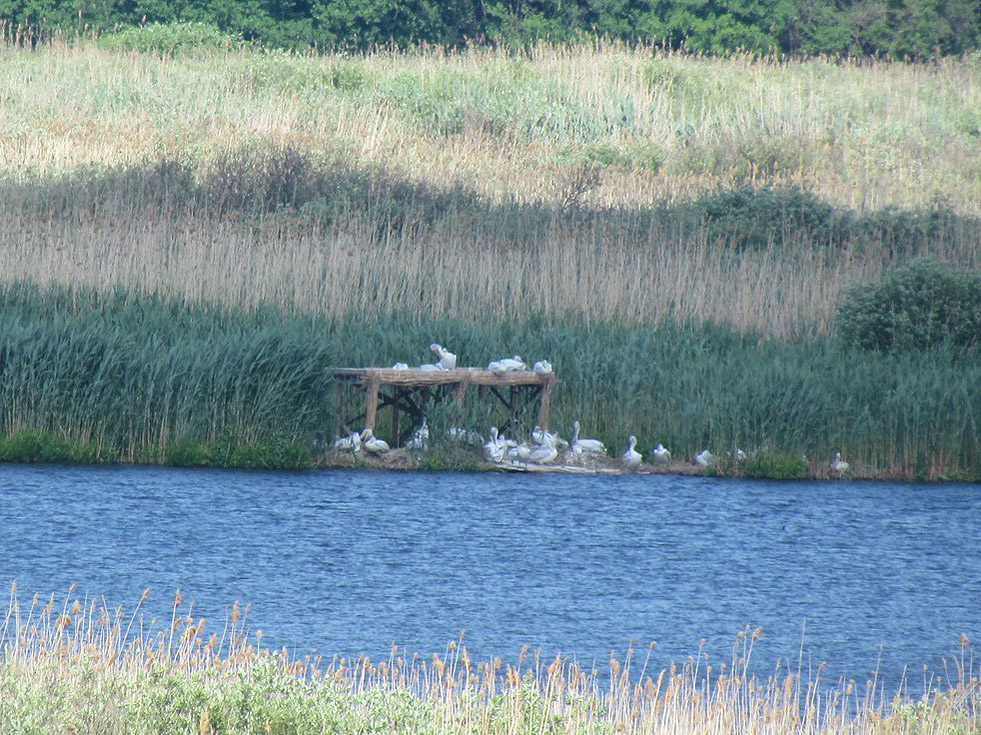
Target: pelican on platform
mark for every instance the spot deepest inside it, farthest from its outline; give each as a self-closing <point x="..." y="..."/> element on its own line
<point x="508" y="365"/>
<point x="447" y="360"/>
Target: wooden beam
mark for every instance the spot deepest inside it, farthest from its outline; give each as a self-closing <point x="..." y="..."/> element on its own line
<point x="395" y="417"/>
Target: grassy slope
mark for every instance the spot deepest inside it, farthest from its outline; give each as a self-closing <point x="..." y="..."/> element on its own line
<point x="576" y="205"/>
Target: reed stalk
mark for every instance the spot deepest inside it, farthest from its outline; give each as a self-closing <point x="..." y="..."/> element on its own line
<point x="82" y="666"/>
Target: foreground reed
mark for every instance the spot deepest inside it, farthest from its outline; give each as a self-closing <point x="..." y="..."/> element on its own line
<point x="80" y="666"/>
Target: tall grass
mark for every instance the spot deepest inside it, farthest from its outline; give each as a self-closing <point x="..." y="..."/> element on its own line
<point x="134" y="375"/>
<point x="75" y="666"/>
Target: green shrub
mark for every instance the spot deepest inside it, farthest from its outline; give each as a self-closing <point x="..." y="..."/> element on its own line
<point x="32" y="447"/>
<point x="188" y="453"/>
<point x="776" y="466"/>
<point x="170" y="39"/>
<point x="279" y="453"/>
<point x="919" y="306"/>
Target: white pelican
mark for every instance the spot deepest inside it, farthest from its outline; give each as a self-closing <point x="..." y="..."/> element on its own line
<point x="739" y="455"/>
<point x="519" y="453"/>
<point x="838" y="464"/>
<point x="349" y="443"/>
<point x="420" y="439"/>
<point x="661" y="455"/>
<point x="542" y="367"/>
<point x="463" y="436"/>
<point x="508" y="365"/>
<point x="543" y="454"/>
<point x="372" y="443"/>
<point x="579" y="446"/>
<point x="495" y="447"/>
<point x="540" y="436"/>
<point x="632" y="458"/>
<point x="400" y="366"/>
<point x="447" y="360"/>
<point x="704" y="458"/>
<point x="430" y="368"/>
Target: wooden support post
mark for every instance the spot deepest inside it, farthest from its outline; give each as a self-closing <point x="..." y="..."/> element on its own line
<point x="395" y="417"/>
<point x="546" y="402"/>
<point x="371" y="403"/>
<point x="338" y="407"/>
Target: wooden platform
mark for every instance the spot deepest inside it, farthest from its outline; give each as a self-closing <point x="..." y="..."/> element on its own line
<point x="410" y="390"/>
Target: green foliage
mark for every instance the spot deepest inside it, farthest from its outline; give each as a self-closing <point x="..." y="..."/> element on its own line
<point x="188" y="453"/>
<point x="134" y="374"/>
<point x="276" y="453"/>
<point x="35" y="447"/>
<point x="897" y="28"/>
<point x="776" y="466"/>
<point x="920" y="306"/>
<point x="130" y="374"/>
<point x="171" y="39"/>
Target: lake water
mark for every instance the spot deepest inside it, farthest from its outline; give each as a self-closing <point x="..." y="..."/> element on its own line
<point x="857" y="575"/>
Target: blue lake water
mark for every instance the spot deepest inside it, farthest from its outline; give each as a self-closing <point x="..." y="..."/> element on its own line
<point x="861" y="576"/>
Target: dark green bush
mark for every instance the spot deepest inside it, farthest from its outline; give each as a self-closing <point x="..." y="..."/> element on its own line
<point x="170" y="39"/>
<point x="41" y="447"/>
<point x="776" y="466"/>
<point x="188" y="453"/>
<point x="919" y="306"/>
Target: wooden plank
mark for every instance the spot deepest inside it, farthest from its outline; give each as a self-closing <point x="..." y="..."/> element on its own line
<point x="395" y="418"/>
<point x="417" y="377"/>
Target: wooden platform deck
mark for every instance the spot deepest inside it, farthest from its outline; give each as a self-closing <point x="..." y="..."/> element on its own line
<point x="409" y="390"/>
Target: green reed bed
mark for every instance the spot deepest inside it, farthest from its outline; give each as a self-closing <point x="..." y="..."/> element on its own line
<point x="147" y="379"/>
<point x="122" y="378"/>
<point x="80" y="666"/>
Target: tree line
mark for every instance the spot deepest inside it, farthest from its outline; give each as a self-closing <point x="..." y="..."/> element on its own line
<point x="903" y="29"/>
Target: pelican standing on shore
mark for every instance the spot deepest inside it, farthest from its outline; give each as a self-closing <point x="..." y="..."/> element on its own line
<point x="704" y="458"/>
<point x="349" y="443"/>
<point x="661" y="455"/>
<point x="495" y="447"/>
<point x="632" y="458"/>
<point x="372" y="443"/>
<point x="579" y="446"/>
<point x="838" y="464"/>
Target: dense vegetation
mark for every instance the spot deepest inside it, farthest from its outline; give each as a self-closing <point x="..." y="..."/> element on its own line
<point x="86" y="668"/>
<point x="894" y="28"/>
<point x="145" y="379"/>
<point x="191" y="241"/>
